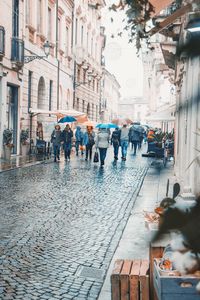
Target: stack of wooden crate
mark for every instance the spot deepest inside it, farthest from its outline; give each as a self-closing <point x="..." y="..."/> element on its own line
<point x="130" y="280"/>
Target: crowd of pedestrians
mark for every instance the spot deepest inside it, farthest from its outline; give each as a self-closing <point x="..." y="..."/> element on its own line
<point x="86" y="141"/>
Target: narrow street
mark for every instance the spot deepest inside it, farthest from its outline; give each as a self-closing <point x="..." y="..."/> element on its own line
<point x="61" y="223"/>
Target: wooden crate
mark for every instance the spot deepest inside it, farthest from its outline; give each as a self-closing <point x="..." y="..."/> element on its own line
<point x="175" y="287"/>
<point x="130" y="280"/>
<point x="154" y="252"/>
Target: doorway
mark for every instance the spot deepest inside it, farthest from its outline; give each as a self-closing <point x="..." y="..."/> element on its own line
<point x="12" y="113"/>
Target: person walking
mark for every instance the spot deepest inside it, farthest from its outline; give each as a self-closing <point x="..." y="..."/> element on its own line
<point x="79" y="140"/>
<point x="56" y="138"/>
<point x="102" y="143"/>
<point x="67" y="135"/>
<point x="134" y="137"/>
<point x="124" y="139"/>
<point x="88" y="141"/>
<point x="115" y="141"/>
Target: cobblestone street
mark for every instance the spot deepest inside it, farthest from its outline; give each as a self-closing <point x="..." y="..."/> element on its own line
<point x="60" y="225"/>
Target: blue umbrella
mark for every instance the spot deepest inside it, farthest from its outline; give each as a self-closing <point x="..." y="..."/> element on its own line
<point x="67" y="119"/>
<point x="107" y="125"/>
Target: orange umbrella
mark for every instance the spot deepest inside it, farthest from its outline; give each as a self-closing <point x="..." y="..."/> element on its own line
<point x="88" y="123"/>
<point x="82" y="119"/>
<point x="121" y="121"/>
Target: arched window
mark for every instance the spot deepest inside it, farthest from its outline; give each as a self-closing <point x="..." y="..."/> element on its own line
<point x="41" y="104"/>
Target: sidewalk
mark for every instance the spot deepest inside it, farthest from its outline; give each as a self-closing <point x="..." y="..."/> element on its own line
<point x="17" y="161"/>
<point x="134" y="243"/>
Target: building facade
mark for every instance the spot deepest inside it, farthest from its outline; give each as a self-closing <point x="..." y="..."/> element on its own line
<point x="31" y="84"/>
<point x="110" y="97"/>
<point x="180" y="50"/>
<point x="159" y="88"/>
<point x="133" y="108"/>
<point x="89" y="41"/>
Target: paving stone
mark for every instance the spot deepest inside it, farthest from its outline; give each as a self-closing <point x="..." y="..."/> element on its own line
<point x="58" y="218"/>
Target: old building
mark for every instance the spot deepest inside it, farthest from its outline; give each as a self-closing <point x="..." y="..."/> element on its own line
<point x="133" y="108"/>
<point x="31" y="80"/>
<point x="110" y="97"/>
<point x="89" y="41"/>
<point x="159" y="88"/>
<point x="35" y="86"/>
<point x="179" y="24"/>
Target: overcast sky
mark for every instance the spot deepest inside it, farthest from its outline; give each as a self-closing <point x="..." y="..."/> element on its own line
<point x="120" y="56"/>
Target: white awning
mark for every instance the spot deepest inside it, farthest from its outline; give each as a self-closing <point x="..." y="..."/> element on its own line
<point x="70" y="112"/>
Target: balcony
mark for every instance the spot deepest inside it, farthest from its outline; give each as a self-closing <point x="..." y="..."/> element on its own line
<point x="17" y="53"/>
<point x="2" y="42"/>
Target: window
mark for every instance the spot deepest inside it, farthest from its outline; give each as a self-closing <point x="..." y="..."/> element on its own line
<point x="96" y="112"/>
<point x="29" y="88"/>
<point x="50" y="93"/>
<point x="77" y="104"/>
<point x="83" y="108"/>
<point x="76" y="31"/>
<point x="28" y="21"/>
<point x="93" y="85"/>
<point x="84" y="75"/>
<point x="15" y="28"/>
<point x="93" y="112"/>
<point x="39" y="15"/>
<point x="67" y="41"/>
<point x="82" y="31"/>
<point x="79" y="75"/>
<point x="95" y="51"/>
<point x="59" y="33"/>
<point x="87" y="40"/>
<point x="91" y="51"/>
<point x="49" y="34"/>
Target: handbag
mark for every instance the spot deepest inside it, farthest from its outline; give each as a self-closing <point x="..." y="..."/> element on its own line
<point x="96" y="157"/>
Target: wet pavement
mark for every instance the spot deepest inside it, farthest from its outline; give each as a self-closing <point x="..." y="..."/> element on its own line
<point x="60" y="225"/>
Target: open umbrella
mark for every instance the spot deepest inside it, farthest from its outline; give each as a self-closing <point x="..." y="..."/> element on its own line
<point x="121" y="121"/>
<point x="106" y="125"/>
<point x="67" y="119"/>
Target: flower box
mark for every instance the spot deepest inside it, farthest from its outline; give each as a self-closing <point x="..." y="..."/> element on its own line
<point x="174" y="287"/>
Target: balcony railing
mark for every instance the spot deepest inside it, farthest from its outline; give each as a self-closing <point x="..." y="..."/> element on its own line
<point x="17" y="51"/>
<point x="2" y="41"/>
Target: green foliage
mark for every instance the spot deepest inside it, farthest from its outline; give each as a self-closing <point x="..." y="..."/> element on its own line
<point x="7" y="136"/>
<point x="138" y="13"/>
<point x="24" y="136"/>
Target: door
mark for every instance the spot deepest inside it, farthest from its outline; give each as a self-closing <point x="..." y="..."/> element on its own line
<point x="12" y="113"/>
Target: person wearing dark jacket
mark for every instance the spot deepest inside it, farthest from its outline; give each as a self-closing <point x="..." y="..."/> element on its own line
<point x="79" y="139"/>
<point x="115" y="141"/>
<point x="56" y="138"/>
<point x="134" y="137"/>
<point x="67" y="135"/>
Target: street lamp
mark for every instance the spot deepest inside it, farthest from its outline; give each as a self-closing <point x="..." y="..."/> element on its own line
<point x="30" y="58"/>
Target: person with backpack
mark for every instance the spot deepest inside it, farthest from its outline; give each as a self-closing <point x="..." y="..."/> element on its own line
<point x="88" y="141"/>
<point x="115" y="141"/>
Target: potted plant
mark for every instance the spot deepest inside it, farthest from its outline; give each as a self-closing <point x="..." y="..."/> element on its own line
<point x="24" y="142"/>
<point x="7" y="142"/>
